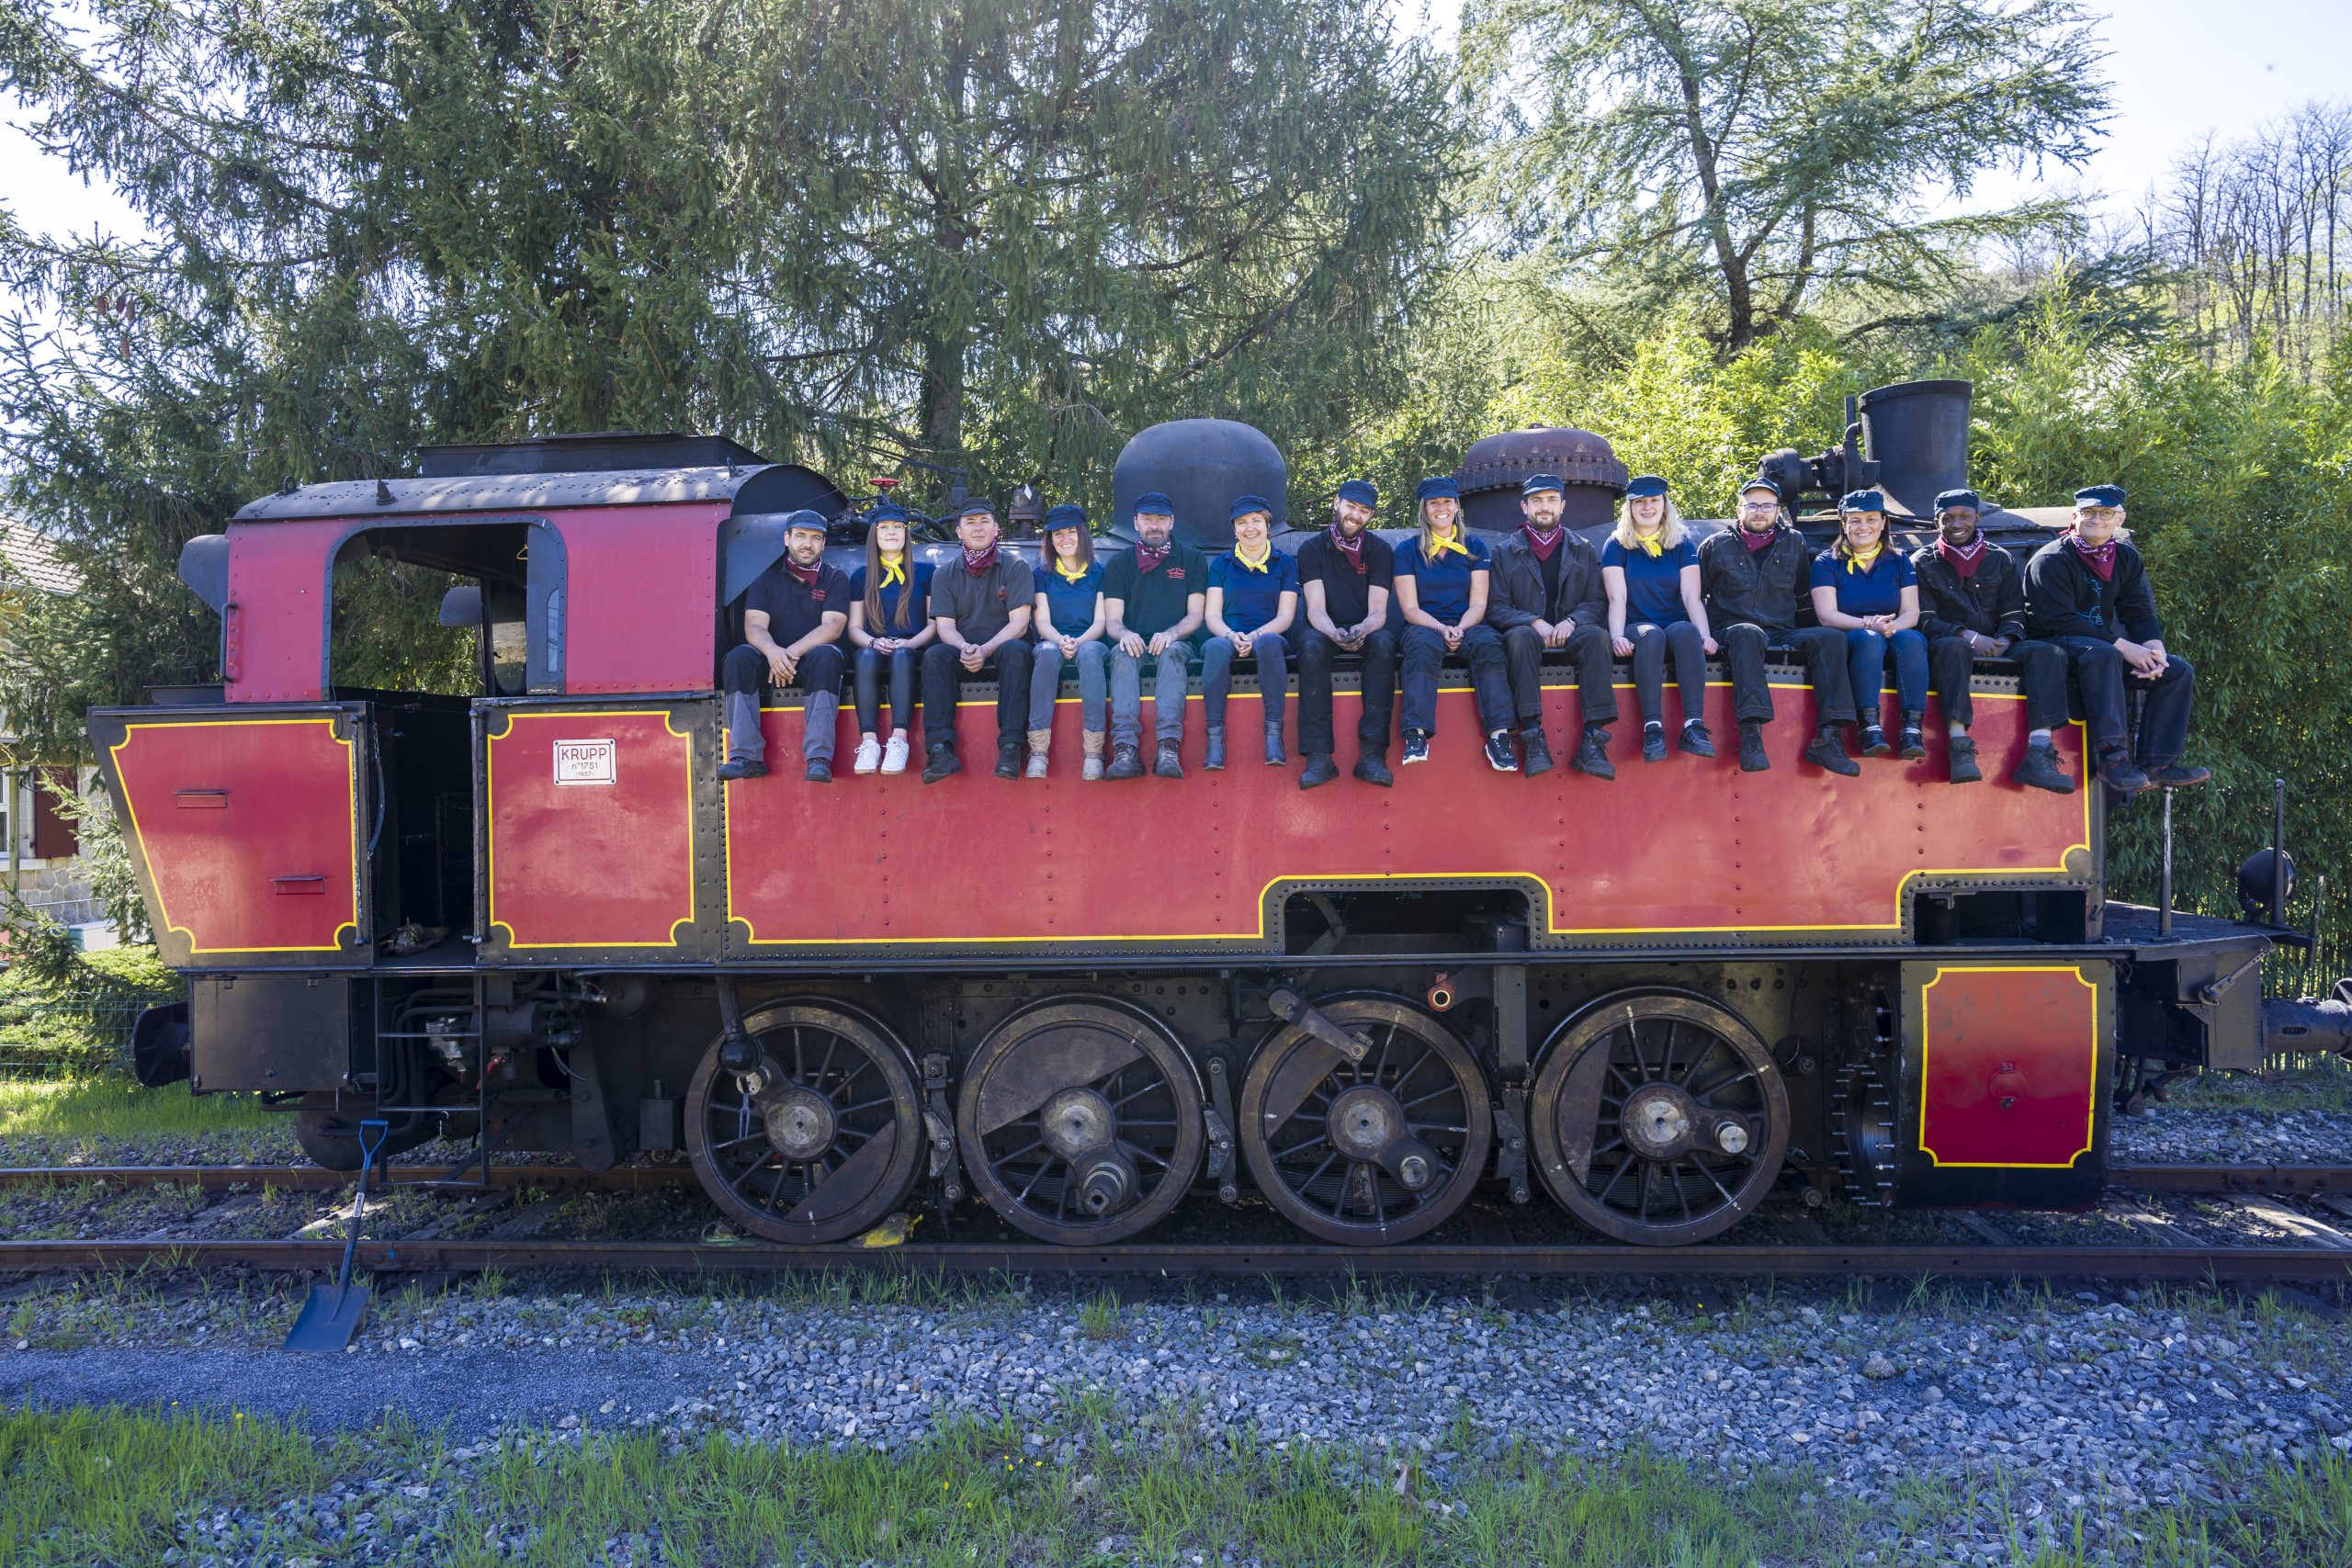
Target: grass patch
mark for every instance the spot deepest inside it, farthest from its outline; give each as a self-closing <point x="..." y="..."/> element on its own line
<point x="113" y="1107"/>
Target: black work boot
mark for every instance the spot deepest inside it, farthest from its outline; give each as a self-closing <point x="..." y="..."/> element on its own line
<point x="1914" y="737"/>
<point x="2120" y="774"/>
<point x="1752" y="759"/>
<point x="2172" y="775"/>
<point x="1319" y="770"/>
<point x="1214" y="758"/>
<point x="742" y="768"/>
<point x="1007" y="759"/>
<point x="1539" y="755"/>
<point x="1828" y="750"/>
<point x="1696" y="740"/>
<point x="1653" y="742"/>
<point x="941" y="763"/>
<point x="1372" y="768"/>
<point x="1126" y="761"/>
<point x="1963" y="759"/>
<point x="819" y="770"/>
<point x="1592" y="753"/>
<point x="1873" y="741"/>
<point x="2042" y="770"/>
<point x="1169" y="765"/>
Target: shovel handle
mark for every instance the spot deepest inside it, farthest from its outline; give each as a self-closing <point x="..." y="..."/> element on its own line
<point x="371" y="1137"/>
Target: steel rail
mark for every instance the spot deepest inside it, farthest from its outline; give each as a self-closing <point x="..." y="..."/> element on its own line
<point x="2251" y="1264"/>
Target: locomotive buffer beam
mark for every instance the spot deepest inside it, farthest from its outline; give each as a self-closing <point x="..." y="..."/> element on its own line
<point x="1296" y="1011"/>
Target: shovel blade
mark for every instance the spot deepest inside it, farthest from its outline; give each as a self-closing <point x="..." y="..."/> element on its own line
<point x="330" y="1319"/>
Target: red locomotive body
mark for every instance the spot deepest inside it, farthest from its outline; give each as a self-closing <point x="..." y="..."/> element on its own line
<point x="525" y="909"/>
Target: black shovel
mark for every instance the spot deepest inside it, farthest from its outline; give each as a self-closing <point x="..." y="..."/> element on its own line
<point x="331" y="1317"/>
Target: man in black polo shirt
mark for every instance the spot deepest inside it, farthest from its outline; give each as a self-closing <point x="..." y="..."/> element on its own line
<point x="1972" y="605"/>
<point x="794" y="614"/>
<point x="1547" y="593"/>
<point x="1154" y="597"/>
<point x="1753" y="576"/>
<point x="981" y="606"/>
<point x="1344" y="578"/>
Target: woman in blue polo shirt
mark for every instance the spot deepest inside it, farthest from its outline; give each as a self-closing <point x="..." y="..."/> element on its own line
<point x="1441" y="586"/>
<point x="1253" y="598"/>
<point x="1068" y="623"/>
<point x="1872" y="593"/>
<point x="1651" y="570"/>
<point x="889" y="628"/>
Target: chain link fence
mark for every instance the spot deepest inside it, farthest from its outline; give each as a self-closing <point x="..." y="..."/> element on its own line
<point x="72" y="1036"/>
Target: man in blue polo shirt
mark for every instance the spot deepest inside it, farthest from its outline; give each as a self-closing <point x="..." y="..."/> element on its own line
<point x="1442" y="579"/>
<point x="1154" y="597"/>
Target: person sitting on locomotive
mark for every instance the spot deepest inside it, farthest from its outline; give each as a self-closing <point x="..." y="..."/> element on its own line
<point x="1442" y="580"/>
<point x="1069" y="629"/>
<point x="1651" y="570"/>
<point x="980" y="606"/>
<point x="1153" y="599"/>
<point x="1753" y="576"/>
<point x="1345" y="576"/>
<point x="1972" y="606"/>
<point x="1253" y="599"/>
<point x="794" y="613"/>
<point x="890" y="627"/>
<point x="1547" y="593"/>
<point x="1871" y="594"/>
<point x="2088" y="592"/>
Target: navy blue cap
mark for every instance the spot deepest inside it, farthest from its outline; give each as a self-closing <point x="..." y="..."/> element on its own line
<point x="888" y="512"/>
<point x="1535" y="482"/>
<point x="1154" y="503"/>
<point x="1643" y="484"/>
<point x="1947" y="500"/>
<point x="1361" y="492"/>
<point x="972" y="504"/>
<point x="1862" y="501"/>
<point x="2099" y="495"/>
<point x="1436" y="487"/>
<point x="804" y="518"/>
<point x="1068" y="515"/>
<point x="1760" y="483"/>
<point x="1243" y="505"/>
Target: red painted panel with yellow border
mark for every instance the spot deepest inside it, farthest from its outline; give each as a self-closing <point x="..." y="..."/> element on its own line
<point x="2008" y="1065"/>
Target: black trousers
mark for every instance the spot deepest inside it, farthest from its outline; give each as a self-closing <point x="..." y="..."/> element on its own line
<point x="943" y="672"/>
<point x="1651" y="644"/>
<point x="2041" y="669"/>
<point x="1317" y="655"/>
<point x="2106" y="681"/>
<point x="1421" y="653"/>
<point x="1746" y="646"/>
<point x="1596" y="675"/>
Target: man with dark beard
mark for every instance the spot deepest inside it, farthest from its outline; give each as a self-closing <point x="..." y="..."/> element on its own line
<point x="1753" y="576"/>
<point x="1345" y="574"/>
<point x="1154" y="599"/>
<point x="1972" y="605"/>
<point x="794" y="613"/>
<point x="1547" y="593"/>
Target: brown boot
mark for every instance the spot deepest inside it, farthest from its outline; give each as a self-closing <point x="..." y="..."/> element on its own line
<point x="1093" y="770"/>
<point x="1039" y="741"/>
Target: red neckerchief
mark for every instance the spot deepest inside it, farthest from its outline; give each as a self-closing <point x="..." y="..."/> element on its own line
<point x="1351" y="549"/>
<point x="2100" y="558"/>
<point x="1757" y="543"/>
<point x="1542" y="544"/>
<point x="1147" y="556"/>
<point x="1964" y="561"/>
<point x="807" y="574"/>
<point x="979" y="565"/>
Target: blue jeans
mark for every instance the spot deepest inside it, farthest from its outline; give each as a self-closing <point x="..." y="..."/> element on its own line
<point x="1216" y="675"/>
<point x="1866" y="658"/>
<point x="1093" y="663"/>
<point x="1173" y="669"/>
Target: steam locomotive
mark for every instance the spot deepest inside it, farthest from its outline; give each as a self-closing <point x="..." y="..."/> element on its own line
<point x="532" y="916"/>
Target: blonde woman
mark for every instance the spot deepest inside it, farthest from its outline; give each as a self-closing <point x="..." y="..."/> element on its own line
<point x="1651" y="571"/>
<point x="1872" y="593"/>
<point x="1441" y="581"/>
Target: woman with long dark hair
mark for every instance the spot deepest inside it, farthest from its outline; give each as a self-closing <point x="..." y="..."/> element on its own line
<point x="888" y="624"/>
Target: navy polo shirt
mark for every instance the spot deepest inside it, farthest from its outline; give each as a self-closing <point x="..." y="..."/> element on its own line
<point x="1878" y="591"/>
<point x="892" y="592"/>
<point x="1253" y="598"/>
<point x="1653" y="582"/>
<point x="794" y="607"/>
<point x="1071" y="604"/>
<point x="1443" y="584"/>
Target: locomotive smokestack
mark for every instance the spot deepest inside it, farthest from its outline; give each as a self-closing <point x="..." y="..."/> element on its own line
<point x="1917" y="434"/>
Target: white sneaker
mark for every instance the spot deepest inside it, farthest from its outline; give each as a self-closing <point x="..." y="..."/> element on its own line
<point x="869" y="755"/>
<point x="894" y="755"/>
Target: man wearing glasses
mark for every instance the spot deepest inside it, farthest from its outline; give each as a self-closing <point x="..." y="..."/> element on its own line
<point x="1753" y="576"/>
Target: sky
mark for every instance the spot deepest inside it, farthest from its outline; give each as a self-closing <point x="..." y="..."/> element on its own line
<point x="2179" y="68"/>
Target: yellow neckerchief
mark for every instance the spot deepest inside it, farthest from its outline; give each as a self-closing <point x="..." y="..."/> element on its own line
<point x="1435" y="549"/>
<point x="894" y="569"/>
<point x="1068" y="573"/>
<point x="1652" y="543"/>
<point x="1857" y="561"/>
<point x="1263" y="563"/>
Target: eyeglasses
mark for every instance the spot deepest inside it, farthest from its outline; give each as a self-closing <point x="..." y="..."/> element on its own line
<point x="1759" y="506"/>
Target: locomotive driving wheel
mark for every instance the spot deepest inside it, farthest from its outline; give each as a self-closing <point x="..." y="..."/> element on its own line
<point x="818" y="1142"/>
<point x="1080" y="1120"/>
<point x="1658" y="1117"/>
<point x="1373" y="1151"/>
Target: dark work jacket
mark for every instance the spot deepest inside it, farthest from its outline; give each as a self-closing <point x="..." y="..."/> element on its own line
<point x="1990" y="603"/>
<point x="1762" y="587"/>
<point x="1515" y="586"/>
<point x="2066" y="598"/>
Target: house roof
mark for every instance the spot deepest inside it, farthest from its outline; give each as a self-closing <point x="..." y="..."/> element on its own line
<point x="26" y="555"/>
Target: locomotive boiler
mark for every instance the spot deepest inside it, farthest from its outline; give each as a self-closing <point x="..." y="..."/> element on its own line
<point x="531" y="914"/>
